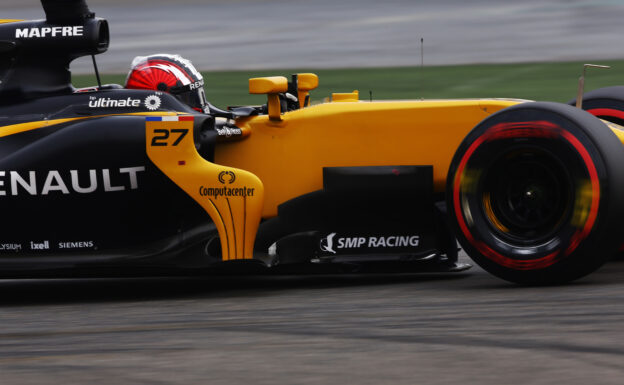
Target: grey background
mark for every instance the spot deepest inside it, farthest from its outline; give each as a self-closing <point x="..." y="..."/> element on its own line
<point x="254" y="34"/>
<point x="400" y="329"/>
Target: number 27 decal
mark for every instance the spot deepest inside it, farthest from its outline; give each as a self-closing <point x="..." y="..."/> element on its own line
<point x="161" y="136"/>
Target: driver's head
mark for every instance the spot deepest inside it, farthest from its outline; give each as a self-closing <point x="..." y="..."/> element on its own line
<point x="169" y="73"/>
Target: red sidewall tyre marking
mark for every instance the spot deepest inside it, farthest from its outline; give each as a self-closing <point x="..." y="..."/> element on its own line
<point x="607" y="112"/>
<point x="536" y="129"/>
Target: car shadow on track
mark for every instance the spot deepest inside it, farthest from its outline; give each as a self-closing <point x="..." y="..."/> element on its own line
<point x="21" y="292"/>
<point x="24" y="292"/>
<point x="611" y="273"/>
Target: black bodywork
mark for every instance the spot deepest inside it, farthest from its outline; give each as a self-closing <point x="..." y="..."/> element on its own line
<point x="79" y="194"/>
<point x="363" y="215"/>
<point x="86" y="187"/>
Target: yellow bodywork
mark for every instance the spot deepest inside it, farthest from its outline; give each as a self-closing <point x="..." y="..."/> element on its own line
<point x="281" y="156"/>
<point x="288" y="155"/>
<point x="617" y="130"/>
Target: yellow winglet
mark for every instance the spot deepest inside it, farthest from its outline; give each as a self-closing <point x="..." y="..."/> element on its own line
<point x="232" y="197"/>
<point x="346" y="97"/>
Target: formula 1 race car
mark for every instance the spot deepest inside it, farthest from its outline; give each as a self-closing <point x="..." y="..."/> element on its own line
<point x="113" y="181"/>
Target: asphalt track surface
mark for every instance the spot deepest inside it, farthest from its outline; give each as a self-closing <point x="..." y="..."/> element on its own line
<point x="349" y="329"/>
<point x="252" y="34"/>
<point x="341" y="329"/>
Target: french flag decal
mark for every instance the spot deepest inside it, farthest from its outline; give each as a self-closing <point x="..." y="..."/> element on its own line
<point x="168" y="118"/>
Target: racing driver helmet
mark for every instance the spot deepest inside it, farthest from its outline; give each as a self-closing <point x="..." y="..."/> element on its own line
<point x="169" y="73"/>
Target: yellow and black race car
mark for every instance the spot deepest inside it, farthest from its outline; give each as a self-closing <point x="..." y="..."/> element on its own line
<point x="118" y="180"/>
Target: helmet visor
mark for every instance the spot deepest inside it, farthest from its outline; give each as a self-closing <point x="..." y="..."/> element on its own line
<point x="192" y="94"/>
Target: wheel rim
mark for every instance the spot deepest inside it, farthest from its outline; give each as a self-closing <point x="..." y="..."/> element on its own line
<point x="527" y="196"/>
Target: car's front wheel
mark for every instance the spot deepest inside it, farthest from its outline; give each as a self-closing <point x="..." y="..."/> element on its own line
<point x="535" y="192"/>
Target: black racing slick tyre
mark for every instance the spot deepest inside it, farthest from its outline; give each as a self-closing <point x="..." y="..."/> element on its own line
<point x="536" y="192"/>
<point x="606" y="103"/>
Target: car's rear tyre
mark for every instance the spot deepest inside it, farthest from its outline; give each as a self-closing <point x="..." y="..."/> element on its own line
<point x="606" y="103"/>
<point x="535" y="193"/>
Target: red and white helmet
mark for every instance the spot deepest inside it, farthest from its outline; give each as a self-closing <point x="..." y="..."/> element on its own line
<point x="169" y="73"/>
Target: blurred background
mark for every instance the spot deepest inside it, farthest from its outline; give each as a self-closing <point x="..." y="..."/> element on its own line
<point x="528" y="49"/>
<point x="450" y="329"/>
<point x="258" y="34"/>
